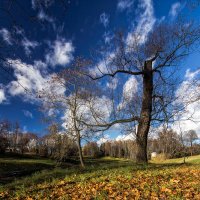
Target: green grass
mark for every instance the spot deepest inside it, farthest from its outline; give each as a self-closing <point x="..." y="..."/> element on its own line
<point x="104" y="178"/>
<point x="15" y="166"/>
<point x="191" y="159"/>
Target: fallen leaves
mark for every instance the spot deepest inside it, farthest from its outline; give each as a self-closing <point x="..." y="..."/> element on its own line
<point x="165" y="183"/>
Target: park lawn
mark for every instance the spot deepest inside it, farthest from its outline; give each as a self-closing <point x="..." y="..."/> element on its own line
<point x="109" y="178"/>
<point x="14" y="166"/>
<point x="190" y="159"/>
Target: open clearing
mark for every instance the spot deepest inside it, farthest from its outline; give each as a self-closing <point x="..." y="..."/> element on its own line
<point x="105" y="178"/>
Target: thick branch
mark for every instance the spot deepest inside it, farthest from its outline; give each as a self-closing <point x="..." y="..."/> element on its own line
<point x="114" y="73"/>
<point x="108" y="125"/>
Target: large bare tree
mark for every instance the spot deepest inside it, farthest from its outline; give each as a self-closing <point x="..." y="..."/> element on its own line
<point x="153" y="61"/>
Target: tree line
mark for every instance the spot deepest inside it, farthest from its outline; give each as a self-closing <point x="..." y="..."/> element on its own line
<point x="167" y="142"/>
<point x="59" y="146"/>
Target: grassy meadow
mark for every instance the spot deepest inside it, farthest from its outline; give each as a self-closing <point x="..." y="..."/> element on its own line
<point x="103" y="178"/>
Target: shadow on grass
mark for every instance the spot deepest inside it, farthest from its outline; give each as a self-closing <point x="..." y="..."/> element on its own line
<point x="115" y="164"/>
<point x="16" y="168"/>
<point x="35" y="172"/>
<point x="11" y="171"/>
<point x="12" y="155"/>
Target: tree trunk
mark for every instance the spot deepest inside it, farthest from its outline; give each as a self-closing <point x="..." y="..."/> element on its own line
<point x="145" y="115"/>
<point x="80" y="151"/>
<point x="184" y="157"/>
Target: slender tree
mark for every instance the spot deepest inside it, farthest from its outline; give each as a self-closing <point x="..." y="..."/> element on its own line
<point x="79" y="102"/>
<point x="191" y="136"/>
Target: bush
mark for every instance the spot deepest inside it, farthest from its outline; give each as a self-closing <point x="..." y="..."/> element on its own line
<point x="3" y="144"/>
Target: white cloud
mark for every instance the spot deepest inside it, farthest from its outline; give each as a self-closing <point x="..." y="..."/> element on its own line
<point x="112" y="84"/>
<point x="124" y="4"/>
<point x="28" y="45"/>
<point x="145" y="23"/>
<point x="103" y="106"/>
<point x="129" y="91"/>
<point x="60" y="53"/>
<point x="104" y="19"/>
<point x="125" y="137"/>
<point x="6" y="36"/>
<point x="41" y="66"/>
<point x="189" y="120"/>
<point x="187" y="91"/>
<point x="175" y="9"/>
<point x="2" y="96"/>
<point x="28" y="113"/>
<point x="130" y="88"/>
<point x="187" y="95"/>
<point x="190" y="75"/>
<point x="52" y="111"/>
<point x="30" y="80"/>
<point x="95" y="111"/>
<point x="103" y="139"/>
<point x="26" y="75"/>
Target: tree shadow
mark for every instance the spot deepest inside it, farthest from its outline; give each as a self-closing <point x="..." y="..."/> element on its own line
<point x="40" y="172"/>
<point x="11" y="171"/>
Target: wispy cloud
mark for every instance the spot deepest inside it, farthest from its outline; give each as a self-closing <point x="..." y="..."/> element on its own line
<point x="38" y="3"/>
<point x="28" y="45"/>
<point x="145" y="22"/>
<point x="124" y="4"/>
<point x="44" y="17"/>
<point x="41" y="7"/>
<point x="28" y="113"/>
<point x="104" y="19"/>
<point x="19" y="36"/>
<point x="108" y="36"/>
<point x="113" y="83"/>
<point x="175" y="9"/>
<point x="5" y="34"/>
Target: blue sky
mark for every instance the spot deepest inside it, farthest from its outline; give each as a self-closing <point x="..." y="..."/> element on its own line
<point x="48" y="39"/>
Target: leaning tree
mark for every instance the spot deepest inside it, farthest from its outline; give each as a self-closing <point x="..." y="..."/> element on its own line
<point x="153" y="61"/>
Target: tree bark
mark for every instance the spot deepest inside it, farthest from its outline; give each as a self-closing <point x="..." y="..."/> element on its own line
<point x="80" y="151"/>
<point x="145" y="115"/>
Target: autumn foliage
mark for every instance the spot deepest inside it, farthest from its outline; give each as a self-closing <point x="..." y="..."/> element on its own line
<point x="120" y="181"/>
